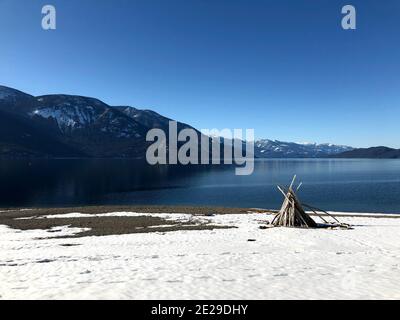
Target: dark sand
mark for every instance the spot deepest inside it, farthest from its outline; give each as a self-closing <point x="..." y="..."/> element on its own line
<point x="102" y="226"/>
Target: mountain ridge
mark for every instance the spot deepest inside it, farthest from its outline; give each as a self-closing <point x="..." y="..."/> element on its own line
<point x="266" y="148"/>
<point x="380" y="152"/>
<point x="88" y="127"/>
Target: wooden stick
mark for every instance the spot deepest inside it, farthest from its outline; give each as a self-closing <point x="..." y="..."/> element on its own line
<point x="323" y="211"/>
<point x="294" y="178"/>
<point x="301" y="183"/>
<point x="320" y="216"/>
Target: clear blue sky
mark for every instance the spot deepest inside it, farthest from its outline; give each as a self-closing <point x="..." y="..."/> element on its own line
<point x="285" y="68"/>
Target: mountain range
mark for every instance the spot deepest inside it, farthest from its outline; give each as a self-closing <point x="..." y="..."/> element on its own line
<point x="66" y="126"/>
<point x="371" y="153"/>
<point x="279" y="149"/>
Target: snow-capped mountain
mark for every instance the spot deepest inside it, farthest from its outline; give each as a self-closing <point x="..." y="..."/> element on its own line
<point x="74" y="114"/>
<point x="76" y="126"/>
<point x="87" y="126"/>
<point x="278" y="149"/>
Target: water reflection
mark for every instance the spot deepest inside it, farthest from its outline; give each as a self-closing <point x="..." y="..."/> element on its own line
<point x="347" y="185"/>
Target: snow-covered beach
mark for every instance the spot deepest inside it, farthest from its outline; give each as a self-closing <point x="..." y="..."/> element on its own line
<point x="244" y="262"/>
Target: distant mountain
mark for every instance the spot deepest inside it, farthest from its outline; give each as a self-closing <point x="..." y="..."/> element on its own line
<point x="72" y="126"/>
<point x="75" y="126"/>
<point x="279" y="149"/>
<point x="372" y="153"/>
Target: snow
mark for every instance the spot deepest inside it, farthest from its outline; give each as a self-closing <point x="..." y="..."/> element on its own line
<point x="282" y="263"/>
<point x="166" y="216"/>
<point x="78" y="115"/>
<point x="67" y="116"/>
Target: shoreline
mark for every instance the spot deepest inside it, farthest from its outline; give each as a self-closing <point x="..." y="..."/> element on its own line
<point x="21" y="212"/>
<point x="123" y="220"/>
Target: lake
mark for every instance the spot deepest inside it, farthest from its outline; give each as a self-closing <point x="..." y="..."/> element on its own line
<point x="333" y="184"/>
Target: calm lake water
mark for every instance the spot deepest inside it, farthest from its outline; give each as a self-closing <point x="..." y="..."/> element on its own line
<point x="341" y="185"/>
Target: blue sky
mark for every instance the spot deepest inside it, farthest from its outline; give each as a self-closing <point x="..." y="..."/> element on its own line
<point x="285" y="68"/>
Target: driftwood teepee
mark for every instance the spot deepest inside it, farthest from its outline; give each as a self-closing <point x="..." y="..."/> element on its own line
<point x="292" y="213"/>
